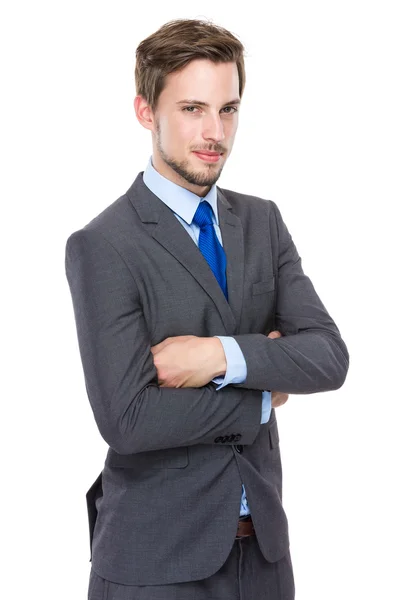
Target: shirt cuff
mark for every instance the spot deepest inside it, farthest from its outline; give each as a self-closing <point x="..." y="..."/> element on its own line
<point x="266" y="406"/>
<point x="236" y="364"/>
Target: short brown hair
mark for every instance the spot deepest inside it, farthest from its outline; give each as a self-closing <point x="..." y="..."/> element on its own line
<point x="177" y="43"/>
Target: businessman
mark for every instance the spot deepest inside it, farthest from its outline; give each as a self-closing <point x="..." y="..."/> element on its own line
<point x="195" y="321"/>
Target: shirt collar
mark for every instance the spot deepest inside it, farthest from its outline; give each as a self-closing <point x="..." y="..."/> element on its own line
<point x="178" y="199"/>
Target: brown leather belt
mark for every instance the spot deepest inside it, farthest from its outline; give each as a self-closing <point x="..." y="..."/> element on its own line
<point x="245" y="528"/>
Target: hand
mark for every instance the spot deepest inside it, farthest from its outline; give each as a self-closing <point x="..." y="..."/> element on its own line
<point x="278" y="398"/>
<point x="188" y="360"/>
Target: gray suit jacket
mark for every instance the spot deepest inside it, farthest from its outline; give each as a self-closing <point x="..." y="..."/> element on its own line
<point x="165" y="507"/>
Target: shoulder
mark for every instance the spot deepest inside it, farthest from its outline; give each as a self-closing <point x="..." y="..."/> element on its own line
<point x="113" y="216"/>
<point x="111" y="224"/>
<point x="248" y="203"/>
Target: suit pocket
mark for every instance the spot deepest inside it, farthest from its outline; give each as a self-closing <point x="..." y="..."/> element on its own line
<point x="261" y="287"/>
<point x="167" y="458"/>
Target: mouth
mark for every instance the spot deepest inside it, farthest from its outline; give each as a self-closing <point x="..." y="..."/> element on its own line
<point x="209" y="156"/>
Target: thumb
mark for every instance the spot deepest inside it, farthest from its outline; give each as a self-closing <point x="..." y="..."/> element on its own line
<point x="274" y="334"/>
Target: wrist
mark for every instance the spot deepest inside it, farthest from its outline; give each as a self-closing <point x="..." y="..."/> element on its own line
<point x="220" y="360"/>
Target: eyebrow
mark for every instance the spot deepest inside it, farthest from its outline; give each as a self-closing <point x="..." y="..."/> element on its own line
<point x="199" y="103"/>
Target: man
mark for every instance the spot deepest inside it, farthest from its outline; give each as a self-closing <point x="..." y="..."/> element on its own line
<point x="191" y="305"/>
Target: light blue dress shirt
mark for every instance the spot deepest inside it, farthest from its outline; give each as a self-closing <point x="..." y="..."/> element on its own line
<point x="184" y="204"/>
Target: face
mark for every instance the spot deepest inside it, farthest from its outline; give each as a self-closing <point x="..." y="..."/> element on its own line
<point x="197" y="111"/>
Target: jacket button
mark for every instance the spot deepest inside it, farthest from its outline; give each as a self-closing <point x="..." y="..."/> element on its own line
<point x="238" y="448"/>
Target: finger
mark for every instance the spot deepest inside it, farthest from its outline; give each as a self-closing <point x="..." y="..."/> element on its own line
<point x="280" y="395"/>
<point x="274" y="334"/>
<point x="158" y="347"/>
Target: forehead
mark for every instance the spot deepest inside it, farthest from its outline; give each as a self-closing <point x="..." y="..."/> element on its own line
<point x="204" y="80"/>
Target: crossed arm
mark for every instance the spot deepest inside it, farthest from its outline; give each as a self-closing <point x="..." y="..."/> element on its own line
<point x="191" y="361"/>
<point x="310" y="357"/>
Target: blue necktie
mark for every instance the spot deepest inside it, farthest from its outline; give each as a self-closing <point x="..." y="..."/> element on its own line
<point x="215" y="256"/>
<point x="209" y="245"/>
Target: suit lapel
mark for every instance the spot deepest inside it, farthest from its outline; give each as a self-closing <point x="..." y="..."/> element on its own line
<point x="233" y="243"/>
<point x="168" y="231"/>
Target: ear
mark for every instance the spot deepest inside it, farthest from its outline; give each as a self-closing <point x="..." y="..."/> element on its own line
<point x="144" y="113"/>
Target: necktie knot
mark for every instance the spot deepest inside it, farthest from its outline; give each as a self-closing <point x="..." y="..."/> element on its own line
<point x="203" y="214"/>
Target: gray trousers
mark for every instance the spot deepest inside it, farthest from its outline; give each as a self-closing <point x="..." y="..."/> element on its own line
<point x="245" y="575"/>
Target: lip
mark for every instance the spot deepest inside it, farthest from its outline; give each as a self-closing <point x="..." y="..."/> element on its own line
<point x="208" y="157"/>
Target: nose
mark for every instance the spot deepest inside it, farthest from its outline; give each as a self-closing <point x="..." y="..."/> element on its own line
<point x="213" y="128"/>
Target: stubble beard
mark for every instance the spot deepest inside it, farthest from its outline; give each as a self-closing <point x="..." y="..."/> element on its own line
<point x="207" y="177"/>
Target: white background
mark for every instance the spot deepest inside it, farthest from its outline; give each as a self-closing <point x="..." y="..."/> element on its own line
<point x="323" y="132"/>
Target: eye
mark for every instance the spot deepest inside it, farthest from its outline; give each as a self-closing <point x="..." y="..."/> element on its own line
<point x="187" y="107"/>
<point x="234" y="109"/>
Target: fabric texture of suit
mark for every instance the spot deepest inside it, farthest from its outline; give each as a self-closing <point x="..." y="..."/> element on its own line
<point x="165" y="507"/>
<point x="184" y="204"/>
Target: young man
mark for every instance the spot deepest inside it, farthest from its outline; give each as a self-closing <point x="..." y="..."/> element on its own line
<point x="191" y="305"/>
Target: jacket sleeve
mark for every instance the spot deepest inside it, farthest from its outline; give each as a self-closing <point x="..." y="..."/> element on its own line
<point x="133" y="413"/>
<point x="311" y="356"/>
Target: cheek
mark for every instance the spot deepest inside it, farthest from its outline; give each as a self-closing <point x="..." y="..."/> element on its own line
<point x="188" y="130"/>
<point x="231" y="129"/>
<point x="181" y="131"/>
